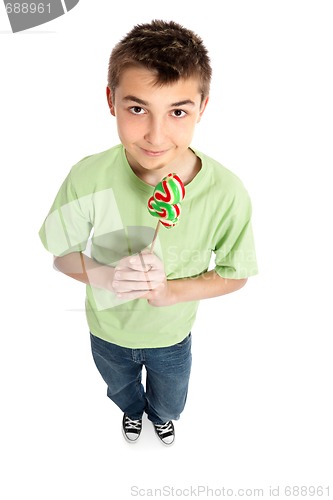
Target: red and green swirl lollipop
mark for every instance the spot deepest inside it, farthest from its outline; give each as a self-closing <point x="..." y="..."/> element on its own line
<point x="165" y="202"/>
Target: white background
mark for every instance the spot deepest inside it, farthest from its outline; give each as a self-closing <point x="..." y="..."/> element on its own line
<point x="259" y="409"/>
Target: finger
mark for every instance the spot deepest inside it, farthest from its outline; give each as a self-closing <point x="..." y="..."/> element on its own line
<point x="127" y="262"/>
<point x="135" y="286"/>
<point x="154" y="276"/>
<point x="145" y="262"/>
<point x="128" y="286"/>
<point x="122" y="266"/>
<point x="133" y="263"/>
<point x="156" y="296"/>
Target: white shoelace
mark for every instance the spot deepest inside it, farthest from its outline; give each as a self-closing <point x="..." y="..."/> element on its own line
<point x="132" y="424"/>
<point x="164" y="428"/>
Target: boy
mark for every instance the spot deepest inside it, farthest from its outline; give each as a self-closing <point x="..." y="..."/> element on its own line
<point x="141" y="306"/>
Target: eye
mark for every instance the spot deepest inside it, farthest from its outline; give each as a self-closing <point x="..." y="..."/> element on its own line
<point x="179" y="113"/>
<point x="137" y="110"/>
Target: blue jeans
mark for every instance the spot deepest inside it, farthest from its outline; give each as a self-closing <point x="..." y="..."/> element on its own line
<point x="168" y="372"/>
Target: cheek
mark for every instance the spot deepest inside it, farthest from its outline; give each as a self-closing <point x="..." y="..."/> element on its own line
<point x="128" y="129"/>
<point x="184" y="133"/>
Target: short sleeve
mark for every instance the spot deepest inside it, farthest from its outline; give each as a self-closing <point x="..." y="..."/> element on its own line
<point x="235" y="256"/>
<point x="68" y="225"/>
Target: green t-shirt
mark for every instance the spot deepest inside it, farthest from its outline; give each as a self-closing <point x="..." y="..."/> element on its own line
<point x="101" y="209"/>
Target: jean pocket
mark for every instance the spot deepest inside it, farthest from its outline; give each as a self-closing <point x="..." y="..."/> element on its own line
<point x="185" y="341"/>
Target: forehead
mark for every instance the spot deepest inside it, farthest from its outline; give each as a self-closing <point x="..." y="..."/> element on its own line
<point x="142" y="83"/>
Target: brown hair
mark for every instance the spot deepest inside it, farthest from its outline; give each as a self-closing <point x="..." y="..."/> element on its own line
<point x="168" y="49"/>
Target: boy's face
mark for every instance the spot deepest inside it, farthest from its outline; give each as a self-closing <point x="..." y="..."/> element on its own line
<point x="156" y="123"/>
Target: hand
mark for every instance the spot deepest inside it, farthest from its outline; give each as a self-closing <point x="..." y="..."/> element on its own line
<point x="140" y="276"/>
<point x="162" y="296"/>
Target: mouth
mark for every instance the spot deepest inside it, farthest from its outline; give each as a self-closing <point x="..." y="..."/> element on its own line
<point x="153" y="154"/>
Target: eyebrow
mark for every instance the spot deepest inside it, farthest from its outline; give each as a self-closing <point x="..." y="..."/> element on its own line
<point x="145" y="103"/>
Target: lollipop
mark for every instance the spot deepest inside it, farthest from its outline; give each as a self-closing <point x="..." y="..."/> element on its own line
<point x="165" y="202"/>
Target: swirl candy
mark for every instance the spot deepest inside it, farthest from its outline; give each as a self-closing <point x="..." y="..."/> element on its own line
<point x="165" y="202"/>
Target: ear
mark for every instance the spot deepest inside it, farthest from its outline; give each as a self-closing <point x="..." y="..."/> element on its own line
<point x="203" y="107"/>
<point x="110" y="101"/>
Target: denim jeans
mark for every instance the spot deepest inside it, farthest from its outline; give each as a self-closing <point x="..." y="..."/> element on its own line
<point x="168" y="372"/>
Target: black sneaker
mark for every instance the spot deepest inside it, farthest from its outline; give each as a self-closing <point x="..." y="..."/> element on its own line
<point x="166" y="432"/>
<point x="131" y="428"/>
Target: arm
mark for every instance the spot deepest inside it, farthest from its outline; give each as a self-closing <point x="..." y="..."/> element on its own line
<point x="146" y="274"/>
<point x="205" y="286"/>
<point x="78" y="266"/>
<point x="130" y="280"/>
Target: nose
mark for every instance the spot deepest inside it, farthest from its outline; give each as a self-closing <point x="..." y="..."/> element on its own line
<point x="155" y="132"/>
